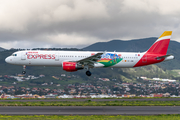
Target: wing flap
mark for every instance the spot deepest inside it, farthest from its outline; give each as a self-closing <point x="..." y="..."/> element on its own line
<point x="93" y="58"/>
<point x="89" y="61"/>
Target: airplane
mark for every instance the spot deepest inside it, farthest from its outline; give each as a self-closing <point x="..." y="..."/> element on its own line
<point x="72" y="61"/>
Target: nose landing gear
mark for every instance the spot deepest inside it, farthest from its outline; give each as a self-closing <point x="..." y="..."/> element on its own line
<point x="24" y="69"/>
<point x="88" y="73"/>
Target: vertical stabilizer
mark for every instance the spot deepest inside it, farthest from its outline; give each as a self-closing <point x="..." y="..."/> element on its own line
<point x="161" y="44"/>
<point x="157" y="52"/>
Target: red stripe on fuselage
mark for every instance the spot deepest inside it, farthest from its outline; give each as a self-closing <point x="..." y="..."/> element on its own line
<point x="148" y="59"/>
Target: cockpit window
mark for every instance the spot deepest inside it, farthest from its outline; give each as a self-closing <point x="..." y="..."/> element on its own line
<point x="14" y="55"/>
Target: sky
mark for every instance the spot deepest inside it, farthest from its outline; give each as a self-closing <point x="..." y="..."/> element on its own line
<point x="79" y="23"/>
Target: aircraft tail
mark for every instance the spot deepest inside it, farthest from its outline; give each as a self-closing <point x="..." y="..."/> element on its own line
<point x="157" y="52"/>
<point x="161" y="44"/>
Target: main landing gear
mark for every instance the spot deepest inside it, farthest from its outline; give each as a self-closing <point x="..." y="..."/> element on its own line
<point x="24" y="69"/>
<point x="88" y="73"/>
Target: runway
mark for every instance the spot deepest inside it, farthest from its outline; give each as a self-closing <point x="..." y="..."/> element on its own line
<point x="76" y="100"/>
<point x="90" y="110"/>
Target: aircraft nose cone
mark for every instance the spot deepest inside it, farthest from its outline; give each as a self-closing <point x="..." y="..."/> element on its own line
<point x="7" y="60"/>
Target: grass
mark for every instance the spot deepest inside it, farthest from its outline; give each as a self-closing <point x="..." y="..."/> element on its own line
<point x="90" y="103"/>
<point x="92" y="117"/>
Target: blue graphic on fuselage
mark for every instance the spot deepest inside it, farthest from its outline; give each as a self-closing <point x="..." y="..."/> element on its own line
<point x="109" y="56"/>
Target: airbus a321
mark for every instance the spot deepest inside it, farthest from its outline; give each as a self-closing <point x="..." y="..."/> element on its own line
<point x="72" y="61"/>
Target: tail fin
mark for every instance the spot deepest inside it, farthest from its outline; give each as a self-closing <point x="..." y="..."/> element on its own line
<point x="161" y="44"/>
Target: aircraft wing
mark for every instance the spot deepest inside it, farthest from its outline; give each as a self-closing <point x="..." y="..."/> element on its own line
<point x="89" y="61"/>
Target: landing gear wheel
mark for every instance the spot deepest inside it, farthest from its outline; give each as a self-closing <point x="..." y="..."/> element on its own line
<point x="24" y="69"/>
<point x="88" y="73"/>
<point x="23" y="72"/>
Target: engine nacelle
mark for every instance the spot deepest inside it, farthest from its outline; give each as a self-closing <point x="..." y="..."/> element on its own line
<point x="71" y="66"/>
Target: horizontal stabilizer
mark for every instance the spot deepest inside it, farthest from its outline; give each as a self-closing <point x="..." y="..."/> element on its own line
<point x="165" y="56"/>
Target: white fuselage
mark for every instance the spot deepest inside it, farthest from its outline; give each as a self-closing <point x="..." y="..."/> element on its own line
<point x="56" y="58"/>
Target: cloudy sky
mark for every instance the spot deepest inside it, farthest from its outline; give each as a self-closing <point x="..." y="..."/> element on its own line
<point x="79" y="23"/>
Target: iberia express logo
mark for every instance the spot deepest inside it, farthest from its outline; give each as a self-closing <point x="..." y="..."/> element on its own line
<point x="109" y="59"/>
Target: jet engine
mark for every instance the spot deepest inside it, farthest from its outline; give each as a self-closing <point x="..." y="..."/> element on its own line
<point x="71" y="66"/>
